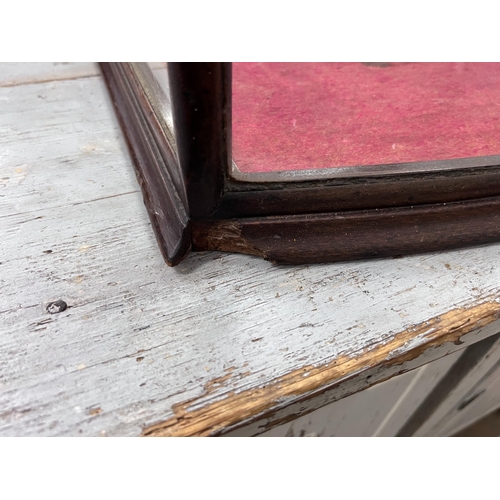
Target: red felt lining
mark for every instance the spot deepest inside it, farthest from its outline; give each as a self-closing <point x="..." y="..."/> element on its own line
<point x="294" y="116"/>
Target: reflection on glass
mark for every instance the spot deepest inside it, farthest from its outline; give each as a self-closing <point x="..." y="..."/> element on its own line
<point x="162" y="99"/>
<point x="301" y="116"/>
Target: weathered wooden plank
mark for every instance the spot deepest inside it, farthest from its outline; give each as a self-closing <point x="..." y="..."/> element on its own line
<point x="56" y="139"/>
<point x="416" y="391"/>
<point x="210" y="345"/>
<point x="467" y="366"/>
<point x="485" y="400"/>
<point x="346" y="380"/>
<point x="480" y="395"/>
<point x="486" y="426"/>
<point x="451" y="399"/>
<point x="358" y="415"/>
<point x="22" y="73"/>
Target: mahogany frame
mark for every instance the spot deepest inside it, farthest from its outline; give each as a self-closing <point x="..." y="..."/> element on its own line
<point x="197" y="200"/>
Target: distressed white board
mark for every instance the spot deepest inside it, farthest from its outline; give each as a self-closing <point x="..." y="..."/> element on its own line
<point x="140" y="338"/>
<point x="28" y="73"/>
<point x="416" y="391"/>
<point x="380" y="410"/>
<point x="487" y="402"/>
<point x="358" y="415"/>
<point x="445" y="413"/>
<point x="481" y="399"/>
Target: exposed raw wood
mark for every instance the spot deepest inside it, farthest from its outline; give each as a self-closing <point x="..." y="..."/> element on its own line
<point x="302" y="239"/>
<point x="139" y="341"/>
<point x="237" y="407"/>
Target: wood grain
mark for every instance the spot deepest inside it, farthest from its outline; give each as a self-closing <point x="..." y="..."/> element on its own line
<point x="471" y="358"/>
<point x="142" y="342"/>
<point x="426" y="379"/>
<point x="163" y="199"/>
<point x="243" y="405"/>
<point x="482" y="399"/>
<point x="448" y="206"/>
<point x="357" y="415"/>
<point x="455" y="404"/>
<point x="12" y="74"/>
<point x="320" y="196"/>
<point x="363" y="234"/>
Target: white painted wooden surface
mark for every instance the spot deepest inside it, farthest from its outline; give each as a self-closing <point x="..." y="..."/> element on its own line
<point x="476" y="396"/>
<point x="140" y="338"/>
<point x="22" y="73"/>
<point x="380" y="410"/>
<point x="358" y="415"/>
<point x="445" y="413"/>
<point x="425" y="380"/>
<point x="487" y="401"/>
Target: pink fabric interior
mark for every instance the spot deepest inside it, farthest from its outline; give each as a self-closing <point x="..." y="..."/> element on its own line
<point x="294" y="116"/>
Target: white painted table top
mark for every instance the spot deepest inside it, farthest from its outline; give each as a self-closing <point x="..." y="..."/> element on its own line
<point x="205" y="346"/>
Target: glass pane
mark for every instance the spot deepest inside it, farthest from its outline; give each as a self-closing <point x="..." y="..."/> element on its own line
<point x="159" y="70"/>
<point x="302" y="116"/>
<point x="151" y="80"/>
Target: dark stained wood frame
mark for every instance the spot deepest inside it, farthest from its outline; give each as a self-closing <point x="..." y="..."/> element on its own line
<point x="197" y="200"/>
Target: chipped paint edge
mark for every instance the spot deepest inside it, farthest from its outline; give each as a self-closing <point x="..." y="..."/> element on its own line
<point x="214" y="417"/>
